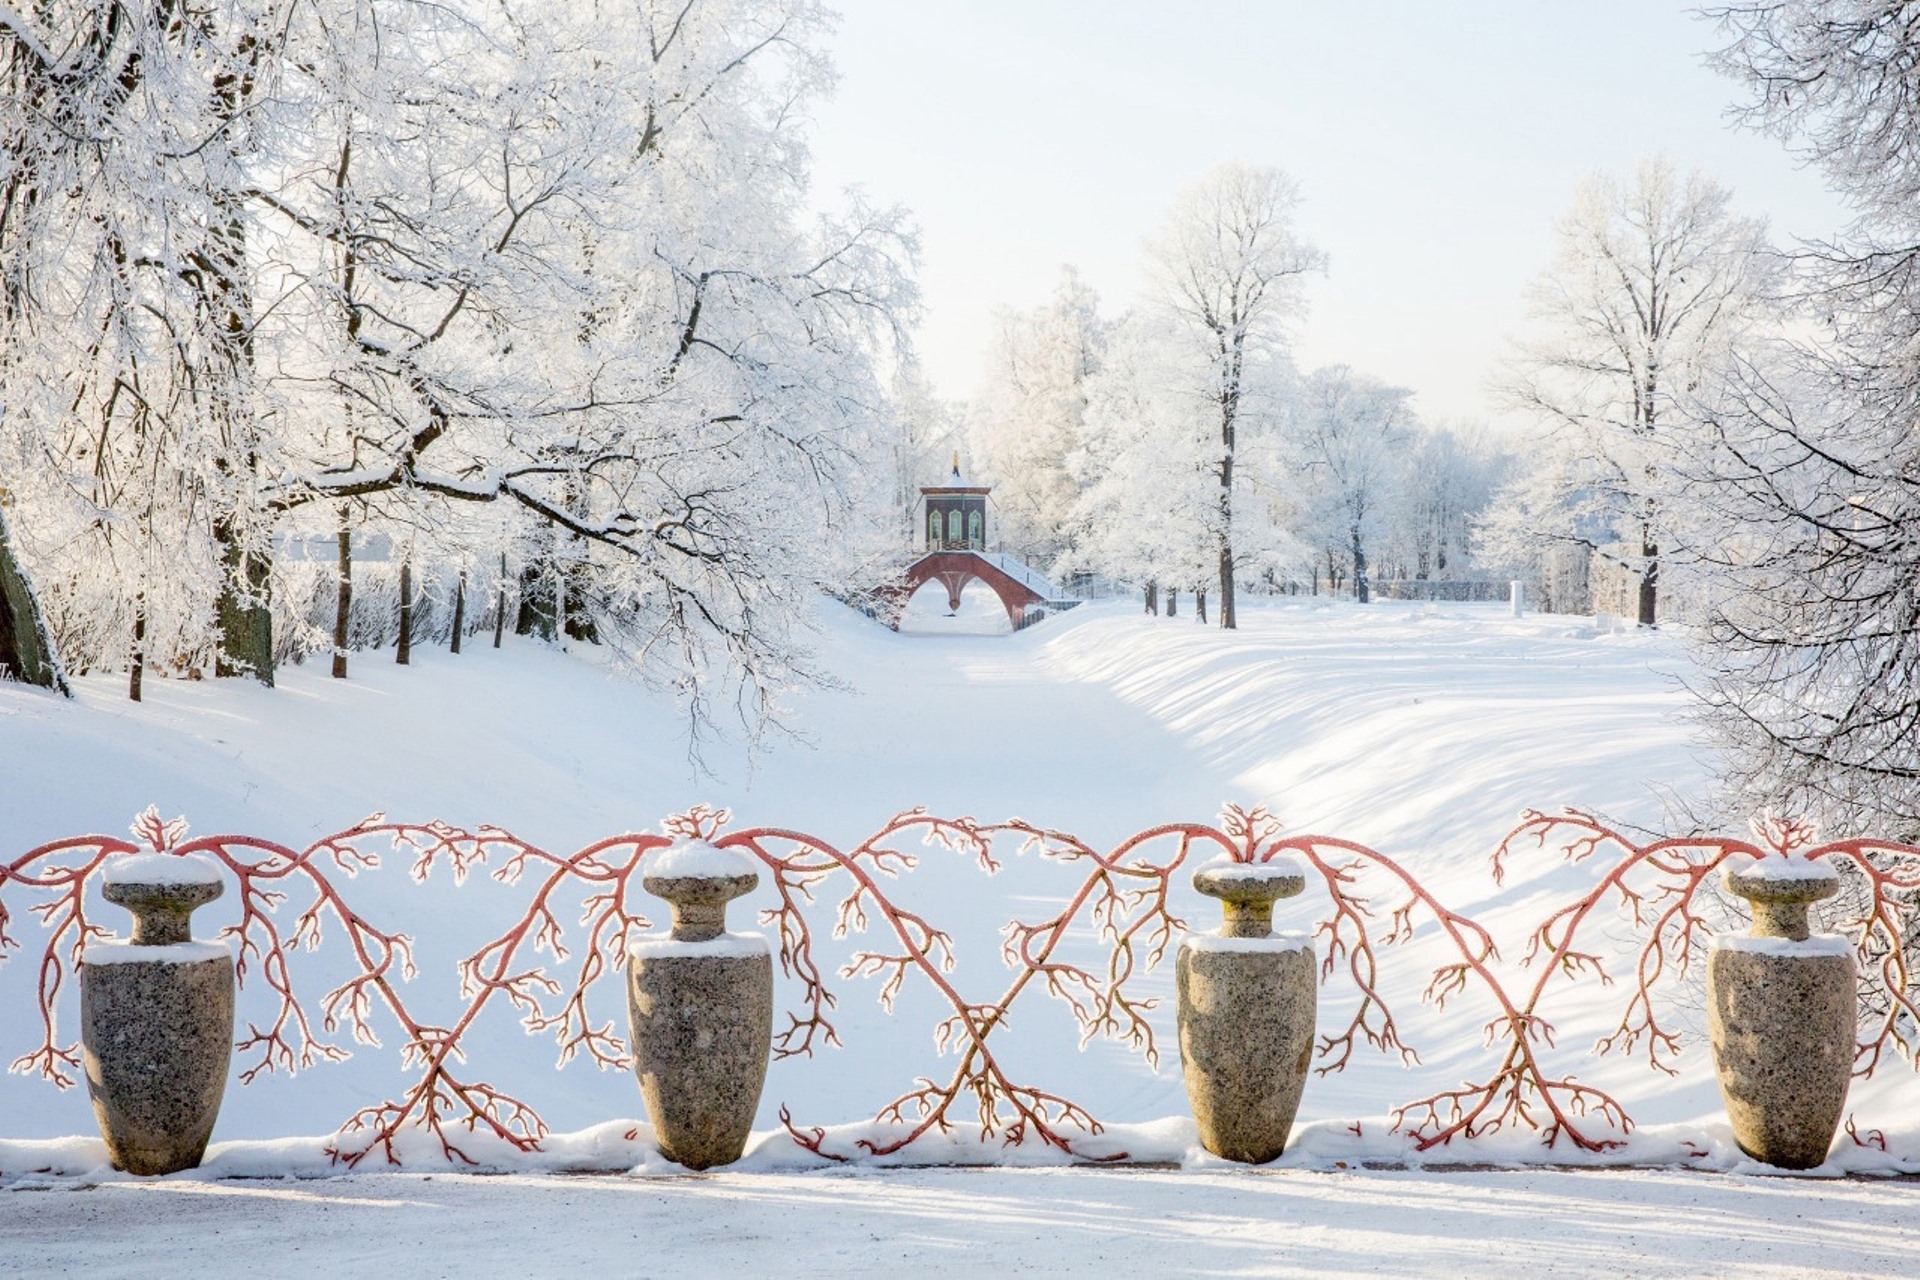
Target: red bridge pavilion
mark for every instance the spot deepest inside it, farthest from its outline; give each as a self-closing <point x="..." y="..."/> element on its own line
<point x="953" y="516"/>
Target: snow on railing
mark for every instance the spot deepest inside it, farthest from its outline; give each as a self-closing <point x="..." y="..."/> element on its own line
<point x="1022" y="573"/>
<point x="291" y="901"/>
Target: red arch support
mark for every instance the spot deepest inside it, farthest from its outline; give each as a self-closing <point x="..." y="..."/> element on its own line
<point x="954" y="570"/>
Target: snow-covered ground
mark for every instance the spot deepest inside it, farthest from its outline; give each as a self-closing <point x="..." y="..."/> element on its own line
<point x="1421" y="730"/>
<point x="974" y="1223"/>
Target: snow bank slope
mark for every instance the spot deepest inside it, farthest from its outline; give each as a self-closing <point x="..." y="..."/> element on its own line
<point x="1421" y="729"/>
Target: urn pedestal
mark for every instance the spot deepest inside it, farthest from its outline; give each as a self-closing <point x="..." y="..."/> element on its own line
<point x="156" y="1017"/>
<point x="700" y="1003"/>
<point x="1781" y="1016"/>
<point x="1247" y="998"/>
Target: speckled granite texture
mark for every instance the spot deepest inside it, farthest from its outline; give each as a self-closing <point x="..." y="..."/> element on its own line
<point x="1246" y="1039"/>
<point x="157" y="1036"/>
<point x="1782" y="1028"/>
<point x="1246" y="1022"/>
<point x="702" y="1028"/>
<point x="161" y="912"/>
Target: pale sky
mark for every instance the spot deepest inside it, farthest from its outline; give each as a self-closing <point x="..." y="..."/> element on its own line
<point x="1436" y="144"/>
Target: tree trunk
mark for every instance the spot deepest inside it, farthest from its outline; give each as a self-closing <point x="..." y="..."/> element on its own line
<point x="1173" y="602"/>
<point x="536" y="614"/>
<point x="1229" y="619"/>
<point x="1360" y="592"/>
<point x="579" y="615"/>
<point x="1200" y="604"/>
<point x="343" y="599"/>
<point x="1649" y="578"/>
<point x="1229" y="419"/>
<point x="459" y="610"/>
<point x="1153" y="598"/>
<point x="244" y="611"/>
<point x="137" y="661"/>
<point x="26" y="646"/>
<point x="500" y="605"/>
<point x="404" y="653"/>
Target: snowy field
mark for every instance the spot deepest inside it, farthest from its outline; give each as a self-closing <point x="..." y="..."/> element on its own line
<point x="1419" y="730"/>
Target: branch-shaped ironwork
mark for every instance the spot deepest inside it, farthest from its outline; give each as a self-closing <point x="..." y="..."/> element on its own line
<point x="292" y="901"/>
<point x="1672" y="931"/>
<point x="1125" y="899"/>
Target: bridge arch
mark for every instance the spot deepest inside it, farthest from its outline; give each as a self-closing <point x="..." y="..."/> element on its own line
<point x="954" y="570"/>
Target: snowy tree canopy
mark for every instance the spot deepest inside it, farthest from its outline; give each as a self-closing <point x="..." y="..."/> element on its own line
<point x="1811" y="468"/>
<point x="1349" y="438"/>
<point x="1230" y="268"/>
<point x="549" y="260"/>
<point x="1143" y="466"/>
<point x="1030" y="416"/>
<point x="1655" y="283"/>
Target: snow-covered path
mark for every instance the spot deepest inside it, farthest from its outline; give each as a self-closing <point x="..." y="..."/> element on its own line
<point x="1379" y="722"/>
<point x="975" y="1222"/>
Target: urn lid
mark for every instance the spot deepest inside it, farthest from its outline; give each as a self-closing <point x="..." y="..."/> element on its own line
<point x="699" y="879"/>
<point x="161" y="881"/>
<point x="697" y="872"/>
<point x="161" y="890"/>
<point x="1252" y="883"/>
<point x="1780" y="880"/>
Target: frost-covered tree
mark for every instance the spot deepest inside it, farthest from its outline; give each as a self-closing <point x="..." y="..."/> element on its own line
<point x="930" y="435"/>
<point x="1030" y="415"/>
<point x="549" y="260"/>
<point x="1813" y="470"/>
<point x="1144" y="471"/>
<point x="126" y="335"/>
<point x="1230" y="268"/>
<point x="1348" y="437"/>
<point x="600" y="306"/>
<point x="1655" y="284"/>
<point x="1448" y="478"/>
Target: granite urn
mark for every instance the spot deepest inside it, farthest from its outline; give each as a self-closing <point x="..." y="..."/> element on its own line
<point x="1247" y="999"/>
<point x="156" y="1015"/>
<point x="700" y="1001"/>
<point x="1781" y="1015"/>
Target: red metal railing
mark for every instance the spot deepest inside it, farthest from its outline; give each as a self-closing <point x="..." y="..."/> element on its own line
<point x="544" y="967"/>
